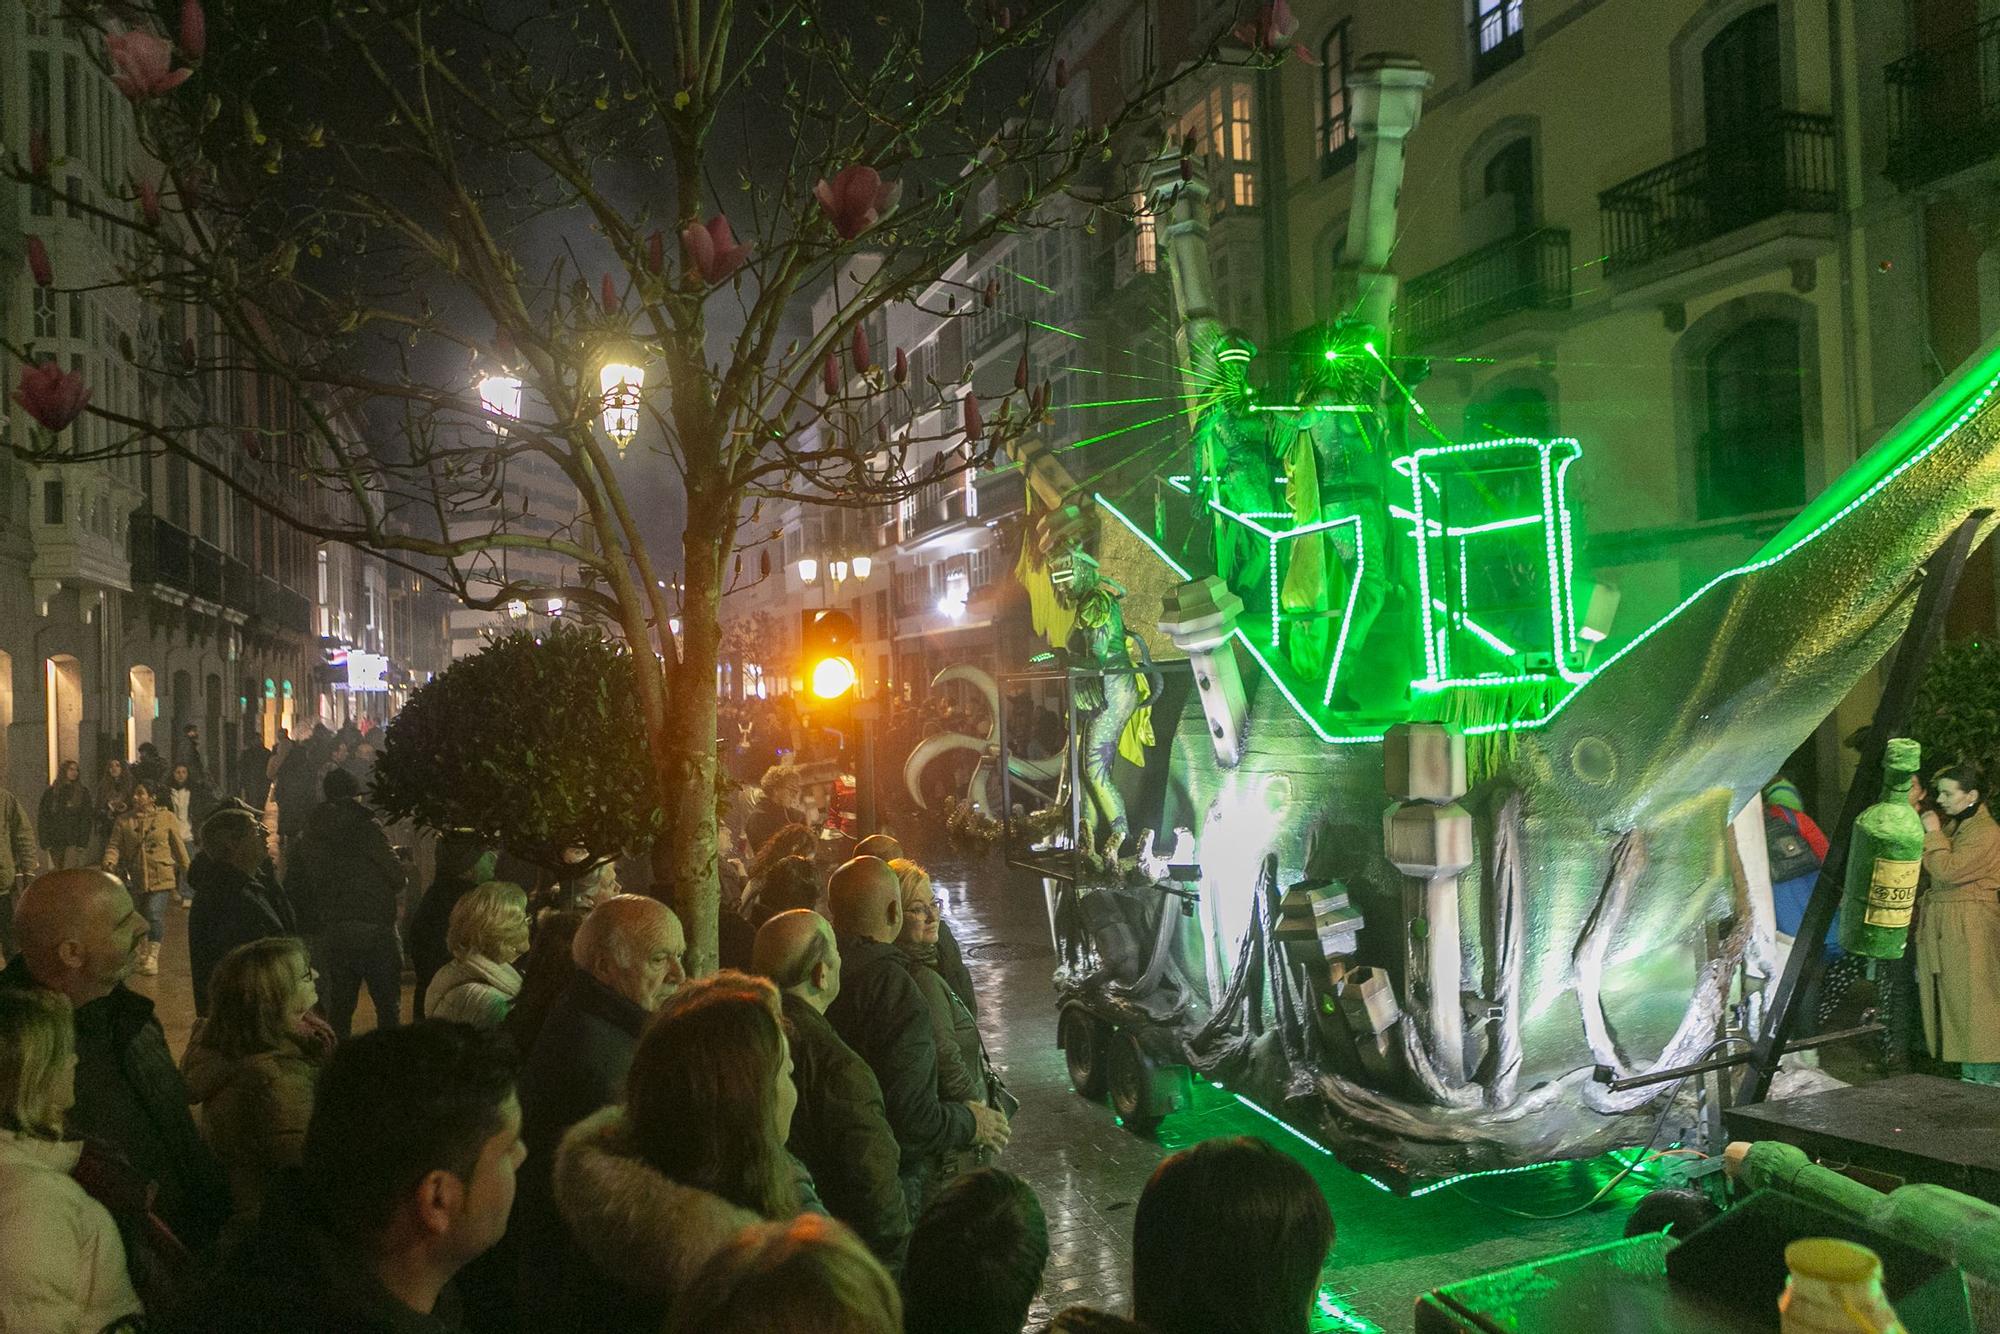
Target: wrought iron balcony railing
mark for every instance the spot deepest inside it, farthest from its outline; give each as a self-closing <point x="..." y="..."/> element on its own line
<point x="1526" y="271"/>
<point x="1786" y="166"/>
<point x="160" y="553"/>
<point x="936" y="505"/>
<point x="1944" y="105"/>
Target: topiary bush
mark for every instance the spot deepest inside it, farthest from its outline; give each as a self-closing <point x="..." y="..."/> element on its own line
<point x="1956" y="715"/>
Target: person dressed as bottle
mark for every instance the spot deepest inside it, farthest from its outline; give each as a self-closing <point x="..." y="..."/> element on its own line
<point x="1958" y="926"/>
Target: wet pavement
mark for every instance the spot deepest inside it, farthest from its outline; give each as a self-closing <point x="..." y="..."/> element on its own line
<point x="1088" y="1170"/>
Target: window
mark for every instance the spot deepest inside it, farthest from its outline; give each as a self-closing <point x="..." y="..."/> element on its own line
<point x="1496" y="35"/>
<point x="72" y="144"/>
<point x="1221" y="127"/>
<point x="1145" y="237"/>
<point x="1138" y="47"/>
<point x="41" y="120"/>
<point x="76" y="324"/>
<point x="52" y="502"/>
<point x="1336" y="128"/>
<point x="45" y="313"/>
<point x="1510" y="173"/>
<point x="1751" y="457"/>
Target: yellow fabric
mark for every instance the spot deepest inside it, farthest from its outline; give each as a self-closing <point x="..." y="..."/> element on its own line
<point x="1050" y="616"/>
<point x="1305" y="581"/>
<point x="1137" y="738"/>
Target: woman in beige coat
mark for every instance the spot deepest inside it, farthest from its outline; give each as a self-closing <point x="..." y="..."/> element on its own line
<point x="147" y="850"/>
<point x="1958" y="927"/>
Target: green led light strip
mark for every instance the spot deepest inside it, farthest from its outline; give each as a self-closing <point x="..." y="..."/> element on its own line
<point x="1347" y="612"/>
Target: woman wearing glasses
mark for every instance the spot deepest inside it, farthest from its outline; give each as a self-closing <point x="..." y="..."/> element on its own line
<point x="961" y="1056"/>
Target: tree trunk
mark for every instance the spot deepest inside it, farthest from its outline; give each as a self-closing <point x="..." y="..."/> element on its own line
<point x="686" y="756"/>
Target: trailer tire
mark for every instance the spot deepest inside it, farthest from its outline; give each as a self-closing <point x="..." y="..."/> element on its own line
<point x="1133" y="1073"/>
<point x="1086" y="1041"/>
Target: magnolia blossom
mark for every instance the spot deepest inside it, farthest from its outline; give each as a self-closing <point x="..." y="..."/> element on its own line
<point x="656" y="252"/>
<point x="902" y="366"/>
<point x="975" y="426"/>
<point x="141" y="64"/>
<point x="608" y="294"/>
<point x="38" y="262"/>
<point x="1270" y="29"/>
<point x="856" y="200"/>
<point x="712" y="249"/>
<point x="1021" y="373"/>
<point x="864" y="357"/>
<point x="51" y="395"/>
<point x="194" y="30"/>
<point x="149" y="203"/>
<point x="829" y="374"/>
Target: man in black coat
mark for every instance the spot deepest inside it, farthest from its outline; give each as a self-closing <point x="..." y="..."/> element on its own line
<point x="628" y="954"/>
<point x="840" y="1130"/>
<point x="79" y="936"/>
<point x="345" y="878"/>
<point x="463" y="864"/>
<point x="883" y="1017"/>
<point x="237" y="897"/>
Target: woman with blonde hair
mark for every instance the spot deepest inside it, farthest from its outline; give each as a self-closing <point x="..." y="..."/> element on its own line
<point x="65" y="1264"/>
<point x="253" y="1066"/>
<point x="488" y="931"/>
<point x="961" y="1060"/>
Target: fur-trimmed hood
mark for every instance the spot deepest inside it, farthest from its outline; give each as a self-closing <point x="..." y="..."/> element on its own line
<point x="652" y="1233"/>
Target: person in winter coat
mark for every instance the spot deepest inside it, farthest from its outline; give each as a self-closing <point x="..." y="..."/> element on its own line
<point x="252" y="1066"/>
<point x="950" y="960"/>
<point x="17" y="863"/>
<point x="66" y="818"/>
<point x="190" y="804"/>
<point x="545" y="974"/>
<point x="882" y="1015"/>
<point x="65" y="1262"/>
<point x="114" y="795"/>
<point x="295" y="785"/>
<point x="80" y="938"/>
<point x="808" y="1276"/>
<point x="488" y="932"/>
<point x="1958" y="926"/>
<point x="463" y="864"/>
<point x="961" y="1056"/>
<point x="237" y="897"/>
<point x="840" y="1131"/>
<point x="649" y="1190"/>
<point x="347" y="880"/>
<point x="977" y="1256"/>
<point x="147" y="847"/>
<point x="777" y="805"/>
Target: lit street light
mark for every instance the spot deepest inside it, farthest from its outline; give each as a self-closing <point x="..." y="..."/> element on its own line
<point x="622" y="383"/>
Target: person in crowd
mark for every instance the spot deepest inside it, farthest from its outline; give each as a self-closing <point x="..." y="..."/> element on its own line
<point x="295" y="787"/>
<point x="961" y="1059"/>
<point x="187" y="750"/>
<point x="347" y="880"/>
<point x="65" y="1262"/>
<point x="253" y="773"/>
<point x="976" y="1257"/>
<point x="488" y="932"/>
<point x="881" y="1014"/>
<point x="808" y="1276"/>
<point x="778" y="804"/>
<point x="648" y="1191"/>
<point x="1958" y="926"/>
<point x="628" y="960"/>
<point x="189" y="805"/>
<point x="792" y="840"/>
<point x="237" y="895"/>
<point x="147" y="848"/>
<point x="252" y="1065"/>
<point x="463" y="864"/>
<point x="1229" y="1234"/>
<point x="950" y="959"/>
<point x="405" y="1176"/>
<point x="840" y="1130"/>
<point x="544" y="975"/>
<point x="66" y="818"/>
<point x="150" y="767"/>
<point x="80" y="938"/>
<point x="17" y="863"/>
<point x="789" y="886"/>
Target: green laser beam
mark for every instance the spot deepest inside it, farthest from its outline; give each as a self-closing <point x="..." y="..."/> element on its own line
<point x="1055" y="328"/>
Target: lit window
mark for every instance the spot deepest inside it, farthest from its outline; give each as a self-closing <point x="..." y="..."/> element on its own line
<point x="1244" y="193"/>
<point x="1239" y="123"/>
<point x="1496" y="35"/>
<point x="1146" y="239"/>
<point x="1336" y="109"/>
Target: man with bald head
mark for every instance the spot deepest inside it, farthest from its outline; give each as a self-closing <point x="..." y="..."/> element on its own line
<point x="79" y="935"/>
<point x="628" y="954"/>
<point x="840" y="1130"/>
<point x="883" y="1016"/>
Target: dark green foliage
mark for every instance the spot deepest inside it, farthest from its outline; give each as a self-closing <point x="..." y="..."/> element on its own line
<point x="537" y="742"/>
<point x="1957" y="712"/>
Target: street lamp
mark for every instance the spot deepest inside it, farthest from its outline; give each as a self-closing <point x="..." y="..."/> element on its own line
<point x="863" y="565"/>
<point x="500" y="395"/>
<point x="808" y="569"/>
<point x="621" y="382"/>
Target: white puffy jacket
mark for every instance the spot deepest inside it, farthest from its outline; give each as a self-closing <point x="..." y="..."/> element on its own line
<point x="64" y="1267"/>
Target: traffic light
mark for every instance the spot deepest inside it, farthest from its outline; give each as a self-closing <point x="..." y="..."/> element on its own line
<point x="828" y="641"/>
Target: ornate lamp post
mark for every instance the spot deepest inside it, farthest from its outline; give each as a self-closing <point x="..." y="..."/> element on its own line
<point x="621" y="382"/>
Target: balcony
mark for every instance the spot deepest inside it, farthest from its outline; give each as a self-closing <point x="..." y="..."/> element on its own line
<point x="279" y="608"/>
<point x="1944" y="106"/>
<point x="935" y="505"/>
<point x="161" y="553"/>
<point x="1784" y="167"/>
<point x="1528" y="271"/>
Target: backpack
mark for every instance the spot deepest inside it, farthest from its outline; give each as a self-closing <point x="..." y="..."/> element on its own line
<point x="1791" y="856"/>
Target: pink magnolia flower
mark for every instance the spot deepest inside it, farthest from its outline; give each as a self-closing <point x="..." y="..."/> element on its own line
<point x="38" y="262"/>
<point x="51" y="395"/>
<point x="992" y="293"/>
<point x="608" y="294"/>
<point x="1021" y="373"/>
<point x="829" y="375"/>
<point x="194" y="30"/>
<point x="149" y="203"/>
<point x="902" y="366"/>
<point x="856" y="200"/>
<point x="712" y="249"/>
<point x="142" y="63"/>
<point x="864" y="357"/>
<point x="1269" y="29"/>
<point x="656" y="252"/>
<point x="975" y="426"/>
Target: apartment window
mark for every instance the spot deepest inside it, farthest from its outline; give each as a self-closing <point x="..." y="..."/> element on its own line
<point x="1336" y="129"/>
<point x="1145" y="237"/>
<point x="1221" y="125"/>
<point x="73" y="203"/>
<point x="76" y="321"/>
<point x="1138" y="48"/>
<point x="73" y="144"/>
<point x="41" y="120"/>
<point x="45" y="314"/>
<point x="52" y="501"/>
<point x="1752" y="456"/>
<point x="979" y="566"/>
<point x="1496" y="35"/>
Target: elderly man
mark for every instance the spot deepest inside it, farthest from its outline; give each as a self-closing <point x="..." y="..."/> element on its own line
<point x="628" y="955"/>
<point x="951" y="960"/>
<point x="881" y="1014"/>
<point x="80" y="937"/>
<point x="840" y="1131"/>
<point x="237" y="897"/>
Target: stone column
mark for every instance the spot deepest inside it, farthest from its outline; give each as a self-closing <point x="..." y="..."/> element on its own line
<point x="1388" y="93"/>
<point x="1200" y="616"/>
<point x="1427" y="836"/>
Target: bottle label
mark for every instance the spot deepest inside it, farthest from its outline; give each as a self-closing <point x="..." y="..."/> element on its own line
<point x="1892" y="893"/>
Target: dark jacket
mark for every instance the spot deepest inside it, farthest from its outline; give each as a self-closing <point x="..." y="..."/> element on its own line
<point x="292" y="1276"/>
<point x="766" y="818"/>
<point x="64" y="823"/>
<point x="883" y="1017"/>
<point x="576" y="1067"/>
<point x="428" y="924"/>
<point x="951" y="967"/>
<point x="296" y="787"/>
<point x="344" y="869"/>
<point x="841" y="1133"/>
<point x="230" y="909"/>
<point x="129" y="1095"/>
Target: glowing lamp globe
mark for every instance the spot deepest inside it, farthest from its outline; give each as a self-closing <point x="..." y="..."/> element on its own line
<point x="833" y="677"/>
<point x="500" y="395"/>
<point x="862" y="566"/>
<point x="621" y="383"/>
<point x="808" y="569"/>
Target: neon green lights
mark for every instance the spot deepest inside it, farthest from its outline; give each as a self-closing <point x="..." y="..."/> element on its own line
<point x="1056" y="328"/>
<point x="1347" y="612"/>
<point x="1038" y="286"/>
